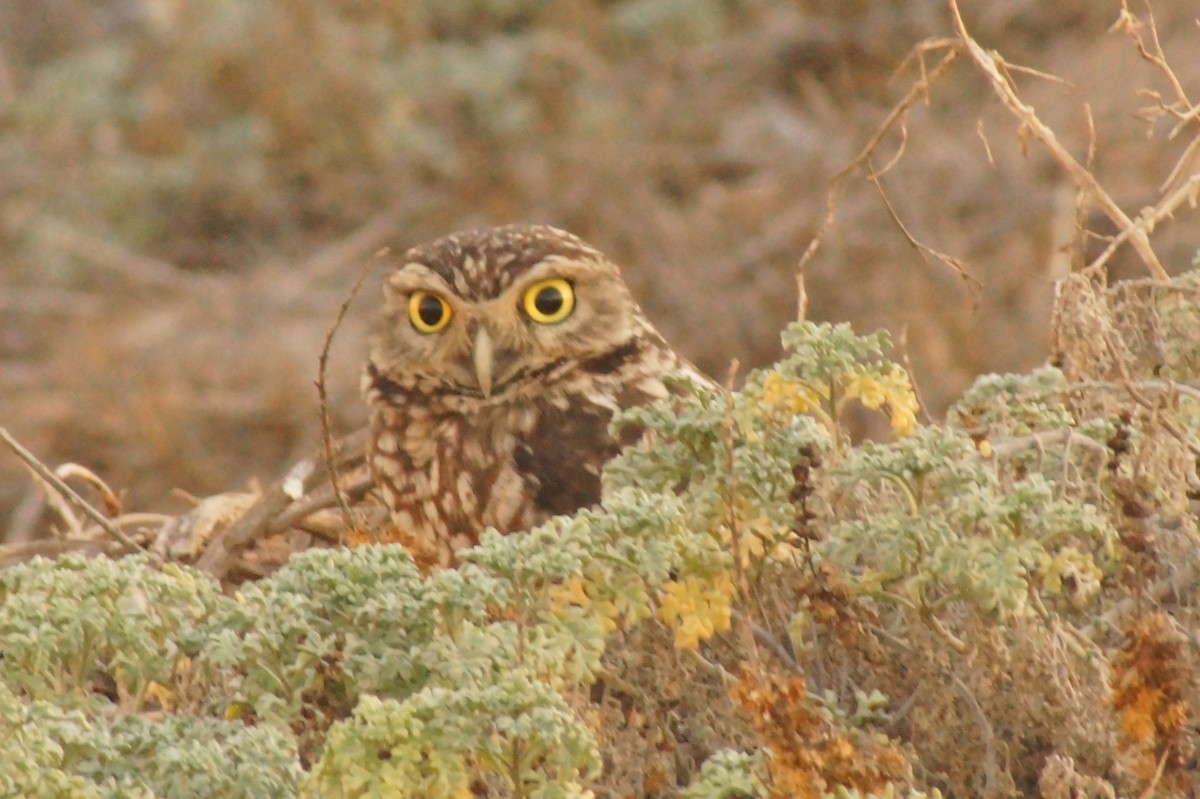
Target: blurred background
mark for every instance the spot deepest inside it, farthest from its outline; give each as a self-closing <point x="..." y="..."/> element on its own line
<point x="188" y="190"/>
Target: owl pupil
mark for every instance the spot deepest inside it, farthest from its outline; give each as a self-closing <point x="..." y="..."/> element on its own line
<point x="430" y="310"/>
<point x="548" y="301"/>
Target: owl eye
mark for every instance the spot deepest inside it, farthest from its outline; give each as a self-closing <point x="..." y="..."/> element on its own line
<point x="550" y="301"/>
<point x="428" y="312"/>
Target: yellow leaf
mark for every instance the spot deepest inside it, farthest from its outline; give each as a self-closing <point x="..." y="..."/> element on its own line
<point x="573" y="594"/>
<point x="696" y="609"/>
<point x="789" y="394"/>
<point x="892" y="389"/>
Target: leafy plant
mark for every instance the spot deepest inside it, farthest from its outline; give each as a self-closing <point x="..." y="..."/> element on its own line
<point x="814" y="583"/>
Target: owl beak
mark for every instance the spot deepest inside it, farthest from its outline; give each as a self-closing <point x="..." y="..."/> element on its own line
<point x="483" y="355"/>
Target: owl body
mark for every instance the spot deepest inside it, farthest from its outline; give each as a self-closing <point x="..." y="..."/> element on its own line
<point x="502" y="357"/>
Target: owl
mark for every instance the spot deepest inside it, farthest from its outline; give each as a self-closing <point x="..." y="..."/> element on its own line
<point x="501" y="357"/>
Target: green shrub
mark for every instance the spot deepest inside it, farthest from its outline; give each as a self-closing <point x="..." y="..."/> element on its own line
<point x="750" y="530"/>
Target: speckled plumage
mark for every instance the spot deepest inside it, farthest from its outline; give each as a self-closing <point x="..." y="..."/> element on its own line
<point x="453" y="452"/>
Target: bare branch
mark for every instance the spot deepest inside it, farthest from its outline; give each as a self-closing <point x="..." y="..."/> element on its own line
<point x="917" y="91"/>
<point x="926" y="251"/>
<point x="59" y="485"/>
<point x="326" y="435"/>
<point x="1148" y="219"/>
<point x="1128" y="23"/>
<point x="222" y="551"/>
<point x="992" y="66"/>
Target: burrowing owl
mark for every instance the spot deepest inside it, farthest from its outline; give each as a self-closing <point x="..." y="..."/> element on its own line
<point x="501" y="358"/>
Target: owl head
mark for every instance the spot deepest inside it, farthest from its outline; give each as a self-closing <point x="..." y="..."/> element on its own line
<point x="488" y="313"/>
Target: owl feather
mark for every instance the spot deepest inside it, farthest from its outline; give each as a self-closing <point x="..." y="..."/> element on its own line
<point x="499" y="362"/>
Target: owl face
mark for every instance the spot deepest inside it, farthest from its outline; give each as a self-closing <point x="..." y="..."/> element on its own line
<point x="486" y="314"/>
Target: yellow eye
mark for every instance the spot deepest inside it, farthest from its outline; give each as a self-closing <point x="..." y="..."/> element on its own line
<point x="428" y="312"/>
<point x="550" y="301"/>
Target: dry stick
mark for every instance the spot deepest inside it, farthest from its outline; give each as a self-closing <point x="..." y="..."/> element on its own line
<point x="989" y="64"/>
<point x="801" y="295"/>
<point x="62" y="506"/>
<point x="916" y="91"/>
<point x="1013" y="446"/>
<point x="326" y="436"/>
<point x="42" y="471"/>
<point x="319" y="500"/>
<point x="1186" y="162"/>
<point x="1152" y="786"/>
<point x="217" y="556"/>
<point x="981" y="133"/>
<point x="1182" y="109"/>
<point x="1130" y="24"/>
<point x="1188" y="192"/>
<point x="924" y="250"/>
<point x="112" y="503"/>
<point x="260" y="518"/>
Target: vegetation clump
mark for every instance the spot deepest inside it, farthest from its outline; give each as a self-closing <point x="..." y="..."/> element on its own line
<point x="808" y="589"/>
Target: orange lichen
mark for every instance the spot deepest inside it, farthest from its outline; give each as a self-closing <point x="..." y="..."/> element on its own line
<point x="810" y="755"/>
<point x="1149" y="679"/>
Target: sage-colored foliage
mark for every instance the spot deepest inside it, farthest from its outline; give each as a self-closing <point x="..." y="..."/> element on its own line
<point x="267" y="646"/>
<point x="730" y="458"/>
<point x="71" y="626"/>
<point x="727" y="775"/>
<point x="348" y="673"/>
<point x="50" y="751"/>
<point x="941" y="524"/>
<point x="431" y="744"/>
<point x="1014" y="405"/>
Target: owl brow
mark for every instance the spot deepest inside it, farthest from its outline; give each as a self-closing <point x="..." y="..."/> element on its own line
<point x="416" y="269"/>
<point x="555" y="265"/>
<point x="416" y="275"/>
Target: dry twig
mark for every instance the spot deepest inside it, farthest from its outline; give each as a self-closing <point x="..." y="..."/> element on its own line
<point x="919" y="90"/>
<point x="59" y="485"/>
<point x="924" y="250"/>
<point x="993" y="67"/>
<point x="221" y="552"/>
<point x="1148" y="219"/>
<point x="1182" y="108"/>
<point x="326" y="435"/>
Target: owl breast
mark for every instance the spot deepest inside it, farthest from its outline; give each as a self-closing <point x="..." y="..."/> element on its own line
<point x="450" y="469"/>
<point x="446" y="477"/>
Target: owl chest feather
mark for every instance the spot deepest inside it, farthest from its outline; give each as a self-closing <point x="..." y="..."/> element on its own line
<point x="450" y="465"/>
<point x="508" y="465"/>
